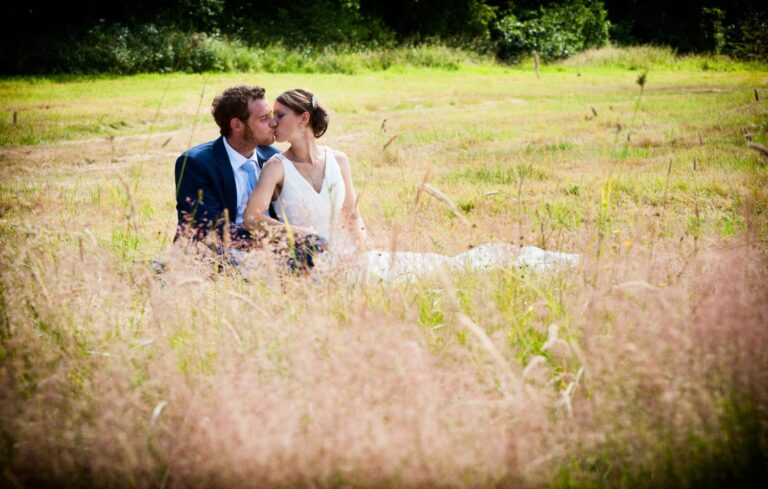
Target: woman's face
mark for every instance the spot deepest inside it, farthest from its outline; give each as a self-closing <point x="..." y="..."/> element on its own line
<point x="288" y="123"/>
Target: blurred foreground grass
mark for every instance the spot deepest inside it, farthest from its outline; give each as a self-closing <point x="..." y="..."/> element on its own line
<point x="643" y="367"/>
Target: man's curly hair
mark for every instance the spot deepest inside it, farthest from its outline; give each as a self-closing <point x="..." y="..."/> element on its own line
<point x="233" y="103"/>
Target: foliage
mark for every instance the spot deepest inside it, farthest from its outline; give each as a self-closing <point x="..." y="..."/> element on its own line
<point x="314" y="24"/>
<point x="712" y="29"/>
<point x="457" y="20"/>
<point x="734" y="27"/>
<point x="749" y="39"/>
<point x="148" y="48"/>
<point x="554" y="32"/>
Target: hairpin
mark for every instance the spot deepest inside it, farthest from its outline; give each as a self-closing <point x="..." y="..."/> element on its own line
<point x="314" y="102"/>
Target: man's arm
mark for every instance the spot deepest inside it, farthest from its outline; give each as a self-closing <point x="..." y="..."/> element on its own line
<point x="196" y="201"/>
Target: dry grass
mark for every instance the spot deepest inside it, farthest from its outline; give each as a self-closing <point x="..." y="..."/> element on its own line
<point x="644" y="367"/>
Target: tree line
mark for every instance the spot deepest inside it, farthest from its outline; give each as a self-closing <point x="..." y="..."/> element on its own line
<point x="49" y="36"/>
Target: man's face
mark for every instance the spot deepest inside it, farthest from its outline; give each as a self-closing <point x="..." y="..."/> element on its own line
<point x="259" y="128"/>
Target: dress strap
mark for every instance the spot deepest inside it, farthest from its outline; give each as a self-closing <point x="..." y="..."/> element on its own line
<point x="330" y="158"/>
<point x="288" y="166"/>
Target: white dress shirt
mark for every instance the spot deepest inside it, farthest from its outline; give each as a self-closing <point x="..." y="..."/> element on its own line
<point x="241" y="177"/>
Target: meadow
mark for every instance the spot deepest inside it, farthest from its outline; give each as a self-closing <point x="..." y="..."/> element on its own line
<point x="643" y="367"/>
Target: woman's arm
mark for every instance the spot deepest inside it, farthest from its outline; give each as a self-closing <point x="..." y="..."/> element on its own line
<point x="267" y="189"/>
<point x="270" y="180"/>
<point x="353" y="220"/>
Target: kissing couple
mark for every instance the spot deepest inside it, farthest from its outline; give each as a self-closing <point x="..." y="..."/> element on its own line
<point x="238" y="193"/>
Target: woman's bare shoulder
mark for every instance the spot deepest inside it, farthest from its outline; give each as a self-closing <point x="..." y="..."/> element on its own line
<point x="275" y="162"/>
<point x="273" y="168"/>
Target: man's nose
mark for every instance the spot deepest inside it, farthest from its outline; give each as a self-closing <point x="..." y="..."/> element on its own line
<point x="273" y="122"/>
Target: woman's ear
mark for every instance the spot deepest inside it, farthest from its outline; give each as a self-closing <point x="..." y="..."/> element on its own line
<point x="305" y="119"/>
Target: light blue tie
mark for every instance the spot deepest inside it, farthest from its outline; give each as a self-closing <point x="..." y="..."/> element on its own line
<point x="250" y="169"/>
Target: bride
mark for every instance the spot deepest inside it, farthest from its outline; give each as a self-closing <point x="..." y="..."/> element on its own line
<point x="310" y="188"/>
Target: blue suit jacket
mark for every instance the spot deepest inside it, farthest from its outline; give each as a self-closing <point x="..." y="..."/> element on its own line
<point x="205" y="184"/>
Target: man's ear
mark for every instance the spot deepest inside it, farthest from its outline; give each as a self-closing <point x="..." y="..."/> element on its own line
<point x="236" y="125"/>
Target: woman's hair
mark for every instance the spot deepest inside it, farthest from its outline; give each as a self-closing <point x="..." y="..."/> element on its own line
<point x="301" y="101"/>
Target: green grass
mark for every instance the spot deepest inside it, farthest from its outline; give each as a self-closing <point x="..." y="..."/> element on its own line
<point x="390" y="384"/>
<point x="656" y="58"/>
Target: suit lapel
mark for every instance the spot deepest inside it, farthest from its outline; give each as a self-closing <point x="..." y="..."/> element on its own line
<point x="228" y="176"/>
<point x="264" y="153"/>
<point x="259" y="157"/>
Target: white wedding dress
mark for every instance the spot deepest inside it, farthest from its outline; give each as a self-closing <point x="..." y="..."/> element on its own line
<point x="299" y="204"/>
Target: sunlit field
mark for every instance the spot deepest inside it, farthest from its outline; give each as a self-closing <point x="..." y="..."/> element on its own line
<point x="643" y="367"/>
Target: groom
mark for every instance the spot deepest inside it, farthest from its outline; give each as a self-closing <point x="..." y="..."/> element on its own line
<point x="214" y="179"/>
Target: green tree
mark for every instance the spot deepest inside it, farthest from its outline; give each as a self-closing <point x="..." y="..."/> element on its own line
<point x="556" y="31"/>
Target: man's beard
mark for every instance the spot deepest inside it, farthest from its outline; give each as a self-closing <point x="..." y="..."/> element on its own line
<point x="250" y="138"/>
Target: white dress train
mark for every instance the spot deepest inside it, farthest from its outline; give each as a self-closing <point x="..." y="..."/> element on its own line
<point x="301" y="205"/>
<point x="404" y="265"/>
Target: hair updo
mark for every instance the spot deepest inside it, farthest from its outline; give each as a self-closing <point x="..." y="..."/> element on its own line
<point x="301" y="101"/>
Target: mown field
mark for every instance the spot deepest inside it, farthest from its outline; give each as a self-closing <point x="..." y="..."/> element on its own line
<point x="645" y="366"/>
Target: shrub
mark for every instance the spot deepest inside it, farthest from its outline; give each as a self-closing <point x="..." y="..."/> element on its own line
<point x="455" y="21"/>
<point x="144" y="48"/>
<point x="150" y="48"/>
<point x="749" y="39"/>
<point x="555" y="32"/>
<point x="712" y="29"/>
<point x="318" y="24"/>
